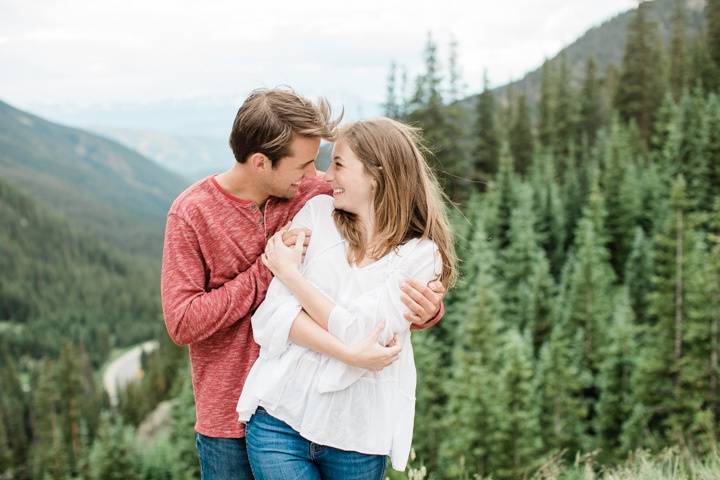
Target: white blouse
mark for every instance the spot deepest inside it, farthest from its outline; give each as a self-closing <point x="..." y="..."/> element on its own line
<point x="325" y="400"/>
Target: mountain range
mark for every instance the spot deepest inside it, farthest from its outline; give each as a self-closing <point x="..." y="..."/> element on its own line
<point x="97" y="184"/>
<point x="605" y="44"/>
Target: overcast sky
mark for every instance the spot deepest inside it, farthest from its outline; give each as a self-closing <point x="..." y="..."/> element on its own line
<point x="60" y="56"/>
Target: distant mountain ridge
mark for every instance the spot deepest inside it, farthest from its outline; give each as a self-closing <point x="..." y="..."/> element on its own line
<point x="97" y="184"/>
<point x="191" y="156"/>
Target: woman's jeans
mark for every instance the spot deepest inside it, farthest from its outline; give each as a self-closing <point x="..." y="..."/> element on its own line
<point x="277" y="452"/>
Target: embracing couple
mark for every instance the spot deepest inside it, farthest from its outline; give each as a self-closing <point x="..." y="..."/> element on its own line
<point x="296" y="292"/>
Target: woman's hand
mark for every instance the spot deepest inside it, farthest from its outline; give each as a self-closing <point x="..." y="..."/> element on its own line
<point x="370" y="355"/>
<point x="282" y="260"/>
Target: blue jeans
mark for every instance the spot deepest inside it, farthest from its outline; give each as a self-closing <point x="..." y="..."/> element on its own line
<point x="277" y="452"/>
<point x="223" y="458"/>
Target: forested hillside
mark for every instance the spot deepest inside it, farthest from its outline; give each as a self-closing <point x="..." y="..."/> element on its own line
<point x="100" y="186"/>
<point x="585" y="327"/>
<point x="60" y="285"/>
<point x="66" y="301"/>
<point x="587" y="321"/>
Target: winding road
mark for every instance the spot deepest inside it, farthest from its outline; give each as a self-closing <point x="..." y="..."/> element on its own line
<point x="125" y="369"/>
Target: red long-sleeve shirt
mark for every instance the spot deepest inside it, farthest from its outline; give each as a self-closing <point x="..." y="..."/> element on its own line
<point x="212" y="280"/>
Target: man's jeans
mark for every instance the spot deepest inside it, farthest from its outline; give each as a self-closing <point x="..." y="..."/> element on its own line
<point x="277" y="452"/>
<point x="223" y="458"/>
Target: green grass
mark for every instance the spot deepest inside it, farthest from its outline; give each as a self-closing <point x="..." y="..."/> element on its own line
<point x="671" y="464"/>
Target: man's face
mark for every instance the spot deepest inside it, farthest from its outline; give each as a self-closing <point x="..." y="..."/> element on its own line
<point x="291" y="170"/>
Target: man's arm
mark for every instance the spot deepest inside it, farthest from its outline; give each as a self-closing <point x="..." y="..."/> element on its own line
<point x="191" y="313"/>
<point x="424" y="302"/>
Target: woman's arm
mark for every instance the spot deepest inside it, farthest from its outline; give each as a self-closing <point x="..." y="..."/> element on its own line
<point x="352" y="321"/>
<point x="368" y="354"/>
<point x="424" y="302"/>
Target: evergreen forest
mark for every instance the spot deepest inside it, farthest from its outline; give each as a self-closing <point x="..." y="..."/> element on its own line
<point x="581" y="341"/>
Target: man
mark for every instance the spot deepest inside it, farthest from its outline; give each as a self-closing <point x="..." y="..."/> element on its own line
<point x="213" y="277"/>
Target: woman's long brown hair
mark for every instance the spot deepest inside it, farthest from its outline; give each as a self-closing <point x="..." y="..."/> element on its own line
<point x="407" y="202"/>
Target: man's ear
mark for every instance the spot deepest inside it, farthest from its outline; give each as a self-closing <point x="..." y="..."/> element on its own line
<point x="260" y="162"/>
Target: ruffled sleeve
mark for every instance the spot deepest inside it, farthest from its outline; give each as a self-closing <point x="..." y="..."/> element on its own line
<point x="274" y="317"/>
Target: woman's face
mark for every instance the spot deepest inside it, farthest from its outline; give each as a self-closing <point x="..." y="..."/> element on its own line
<point x="352" y="185"/>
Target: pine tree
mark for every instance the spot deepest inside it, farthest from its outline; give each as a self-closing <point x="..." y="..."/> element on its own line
<point x="638" y="271"/>
<point x="527" y="284"/>
<point x="49" y="454"/>
<point x="712" y="14"/>
<point x="696" y="422"/>
<point x="546" y="106"/>
<point x="7" y="463"/>
<point x="487" y="151"/>
<point x="560" y="382"/>
<point x="113" y="456"/>
<point x="664" y="143"/>
<point x="465" y="229"/>
<point x="505" y="187"/>
<point x="692" y="161"/>
<point x="674" y="302"/>
<point x="678" y="55"/>
<point x="430" y="397"/>
<point x="565" y="110"/>
<point x="14" y="441"/>
<point x="550" y="212"/>
<point x="586" y="294"/>
<point x="516" y="452"/>
<point x="391" y="106"/>
<point x="186" y="465"/>
<point x="521" y="140"/>
<point x="572" y="199"/>
<point x="426" y="110"/>
<point x="703" y="71"/>
<point x="469" y="429"/>
<point x="640" y="88"/>
<point x="712" y="146"/>
<point x="620" y="179"/>
<point x="615" y="380"/>
<point x="506" y="115"/>
<point x="442" y="125"/>
<point x="590" y="105"/>
<point x="72" y="393"/>
<point x="714" y="293"/>
<point x="404" y="101"/>
<point x="455" y="154"/>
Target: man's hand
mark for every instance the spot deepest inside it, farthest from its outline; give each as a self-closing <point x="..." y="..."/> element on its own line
<point x="281" y="259"/>
<point x="370" y="355"/>
<point x="422" y="301"/>
<point x="289" y="237"/>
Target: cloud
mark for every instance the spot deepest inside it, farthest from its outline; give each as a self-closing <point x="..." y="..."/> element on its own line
<point x="112" y="52"/>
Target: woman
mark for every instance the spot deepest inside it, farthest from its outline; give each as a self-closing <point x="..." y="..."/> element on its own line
<point x="313" y="416"/>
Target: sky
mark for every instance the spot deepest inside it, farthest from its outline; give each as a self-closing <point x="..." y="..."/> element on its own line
<point x="146" y="64"/>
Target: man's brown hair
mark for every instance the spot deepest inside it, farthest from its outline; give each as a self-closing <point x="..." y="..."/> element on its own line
<point x="268" y="119"/>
